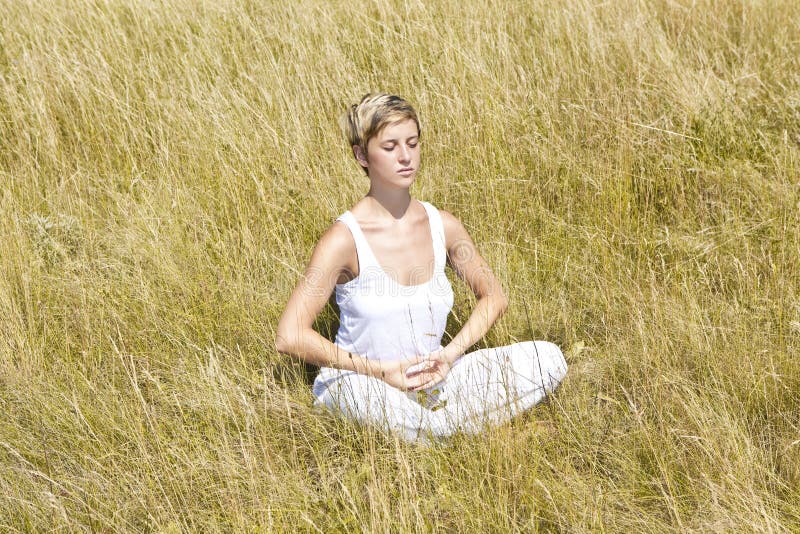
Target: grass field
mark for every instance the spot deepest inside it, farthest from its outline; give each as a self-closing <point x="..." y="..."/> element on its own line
<point x="630" y="169"/>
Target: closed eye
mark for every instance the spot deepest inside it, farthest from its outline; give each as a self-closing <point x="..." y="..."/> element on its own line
<point x="389" y="148"/>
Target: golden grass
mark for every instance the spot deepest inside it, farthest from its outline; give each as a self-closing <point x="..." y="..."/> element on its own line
<point x="629" y="169"/>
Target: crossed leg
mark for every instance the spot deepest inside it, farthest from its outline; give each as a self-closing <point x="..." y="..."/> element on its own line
<point x="488" y="386"/>
<point x="492" y="386"/>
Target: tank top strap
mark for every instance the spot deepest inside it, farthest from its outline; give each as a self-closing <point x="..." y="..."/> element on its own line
<point x="366" y="259"/>
<point x="437" y="232"/>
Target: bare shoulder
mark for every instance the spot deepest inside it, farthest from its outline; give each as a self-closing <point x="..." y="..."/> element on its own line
<point x="454" y="230"/>
<point x="336" y="250"/>
<point x="336" y="237"/>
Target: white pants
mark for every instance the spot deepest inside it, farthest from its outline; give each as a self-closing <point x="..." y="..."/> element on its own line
<point x="488" y="386"/>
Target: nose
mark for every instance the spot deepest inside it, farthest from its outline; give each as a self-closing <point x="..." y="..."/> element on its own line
<point x="405" y="154"/>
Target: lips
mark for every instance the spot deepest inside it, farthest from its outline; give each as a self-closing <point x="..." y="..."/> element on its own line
<point x="407" y="170"/>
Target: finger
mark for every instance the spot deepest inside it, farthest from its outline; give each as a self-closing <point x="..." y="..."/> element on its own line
<point x="437" y="378"/>
<point x="431" y="370"/>
<point x="430" y="381"/>
<point x="419" y="368"/>
<point x="418" y="382"/>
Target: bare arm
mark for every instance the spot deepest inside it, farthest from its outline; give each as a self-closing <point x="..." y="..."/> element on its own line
<point x="295" y="335"/>
<point x="473" y="269"/>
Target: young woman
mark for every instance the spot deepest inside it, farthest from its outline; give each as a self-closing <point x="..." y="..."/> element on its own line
<point x="385" y="259"/>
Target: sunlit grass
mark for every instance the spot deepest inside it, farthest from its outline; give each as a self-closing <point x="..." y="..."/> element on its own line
<point x="631" y="171"/>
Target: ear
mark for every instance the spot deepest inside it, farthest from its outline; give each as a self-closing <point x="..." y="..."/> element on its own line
<point x="361" y="157"/>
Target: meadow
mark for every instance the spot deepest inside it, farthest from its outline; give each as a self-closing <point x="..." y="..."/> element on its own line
<point x="630" y="170"/>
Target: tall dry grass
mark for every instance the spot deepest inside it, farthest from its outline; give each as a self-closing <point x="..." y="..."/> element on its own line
<point x="630" y="170"/>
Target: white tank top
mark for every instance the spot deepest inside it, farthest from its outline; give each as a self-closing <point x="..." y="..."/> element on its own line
<point x="382" y="319"/>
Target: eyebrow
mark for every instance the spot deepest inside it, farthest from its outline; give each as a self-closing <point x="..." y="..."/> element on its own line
<point x="395" y="140"/>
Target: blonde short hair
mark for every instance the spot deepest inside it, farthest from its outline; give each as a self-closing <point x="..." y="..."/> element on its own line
<point x="366" y="119"/>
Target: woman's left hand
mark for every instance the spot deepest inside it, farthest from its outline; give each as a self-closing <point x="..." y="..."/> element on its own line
<point x="434" y="369"/>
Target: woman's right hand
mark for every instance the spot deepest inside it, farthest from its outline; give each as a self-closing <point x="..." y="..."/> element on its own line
<point x="394" y="373"/>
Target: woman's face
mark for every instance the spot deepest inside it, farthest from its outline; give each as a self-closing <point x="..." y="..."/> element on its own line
<point x="393" y="154"/>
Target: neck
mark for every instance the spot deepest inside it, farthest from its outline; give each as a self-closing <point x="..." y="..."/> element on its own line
<point x="394" y="201"/>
